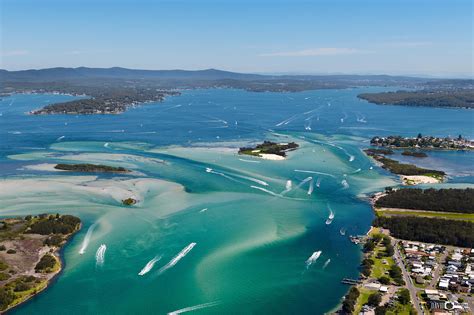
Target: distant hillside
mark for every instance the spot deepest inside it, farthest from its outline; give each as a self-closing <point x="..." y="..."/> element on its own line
<point x="53" y="74"/>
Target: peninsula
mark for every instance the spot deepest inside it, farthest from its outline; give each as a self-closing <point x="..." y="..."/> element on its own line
<point x="410" y="174"/>
<point x="29" y="254"/>
<point x="451" y="98"/>
<point x="423" y="142"/>
<point x="104" y="101"/>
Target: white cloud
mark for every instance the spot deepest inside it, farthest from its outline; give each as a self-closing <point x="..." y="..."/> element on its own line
<point x="20" y="52"/>
<point x="409" y="44"/>
<point x="325" y="51"/>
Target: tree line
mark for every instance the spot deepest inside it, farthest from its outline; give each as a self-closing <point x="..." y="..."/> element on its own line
<point x="429" y="230"/>
<point x="447" y="200"/>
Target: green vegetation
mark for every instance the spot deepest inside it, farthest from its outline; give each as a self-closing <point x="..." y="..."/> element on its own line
<point x="348" y="305"/>
<point x="46" y="264"/>
<point x="446" y="200"/>
<point x="129" y="201"/>
<point x="268" y="147"/>
<point x="429" y="230"/>
<point x="374" y="151"/>
<point x="431" y="98"/>
<point x="415" y="154"/>
<point x="90" y="168"/>
<point x="362" y="300"/>
<point x="405" y="169"/>
<point x="64" y="224"/>
<point x="374" y="299"/>
<point x="51" y="230"/>
<point x="421" y="213"/>
<point x="422" y="142"/>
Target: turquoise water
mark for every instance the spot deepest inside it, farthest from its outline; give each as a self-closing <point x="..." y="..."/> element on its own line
<point x="251" y="242"/>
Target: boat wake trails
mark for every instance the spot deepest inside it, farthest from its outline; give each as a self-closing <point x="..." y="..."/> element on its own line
<point x="312" y="259"/>
<point x="149" y="266"/>
<point x="193" y="308"/>
<point x="231" y="175"/>
<point x="100" y="255"/>
<point x="315" y="172"/>
<point x="87" y="239"/>
<point x="311" y="187"/>
<point x="177" y="258"/>
<point x="288" y="187"/>
<point x="330" y="217"/>
<point x="326" y="263"/>
<point x="249" y="161"/>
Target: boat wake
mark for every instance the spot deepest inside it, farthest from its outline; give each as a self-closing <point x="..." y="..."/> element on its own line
<point x="100" y="255"/>
<point x="149" y="266"/>
<point x="249" y="161"/>
<point x="177" y="258"/>
<point x="326" y="263"/>
<point x="330" y="217"/>
<point x="87" y="239"/>
<point x="345" y="184"/>
<point x="311" y="187"/>
<point x="315" y="172"/>
<point x="193" y="308"/>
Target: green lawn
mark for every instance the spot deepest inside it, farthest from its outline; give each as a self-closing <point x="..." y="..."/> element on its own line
<point x="399" y="309"/>
<point x="429" y="214"/>
<point x="363" y="299"/>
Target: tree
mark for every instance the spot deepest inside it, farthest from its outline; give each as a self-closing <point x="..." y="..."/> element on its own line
<point x="404" y="296"/>
<point x="374" y="299"/>
<point x="384" y="280"/>
<point x="380" y="310"/>
<point x="369" y="246"/>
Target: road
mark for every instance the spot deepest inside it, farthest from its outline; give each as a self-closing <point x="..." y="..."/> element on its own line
<point x="407" y="278"/>
<point x="434" y="280"/>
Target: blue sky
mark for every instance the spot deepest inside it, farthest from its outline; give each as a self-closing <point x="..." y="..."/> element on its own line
<point x="430" y="37"/>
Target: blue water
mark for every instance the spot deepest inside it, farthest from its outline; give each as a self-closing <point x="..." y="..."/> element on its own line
<point x="251" y="246"/>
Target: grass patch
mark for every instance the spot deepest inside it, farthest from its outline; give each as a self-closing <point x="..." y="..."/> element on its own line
<point x="429" y="214"/>
<point x="362" y="299"/>
<point x="399" y="309"/>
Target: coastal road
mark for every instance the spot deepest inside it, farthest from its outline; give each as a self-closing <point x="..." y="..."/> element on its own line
<point x="409" y="284"/>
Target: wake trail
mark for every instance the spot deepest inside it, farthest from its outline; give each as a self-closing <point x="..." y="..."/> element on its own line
<point x="100" y="255"/>
<point x="304" y="181"/>
<point x="315" y="172"/>
<point x="326" y="263"/>
<point x="60" y="138"/>
<point x="311" y="187"/>
<point x="149" y="266"/>
<point x="87" y="239"/>
<point x="265" y="190"/>
<point x="193" y="308"/>
<point x="249" y="161"/>
<point x="177" y="258"/>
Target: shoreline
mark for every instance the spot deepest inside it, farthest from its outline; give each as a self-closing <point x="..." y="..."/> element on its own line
<point x="58" y="254"/>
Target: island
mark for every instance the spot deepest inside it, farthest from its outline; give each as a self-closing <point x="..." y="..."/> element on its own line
<point x="90" y="168"/>
<point x="410" y="174"/>
<point x="270" y="150"/>
<point x="414" y="154"/>
<point x="423" y="142"/>
<point x="104" y="101"/>
<point x="29" y="254"/>
<point x="129" y="201"/>
<point x="451" y="98"/>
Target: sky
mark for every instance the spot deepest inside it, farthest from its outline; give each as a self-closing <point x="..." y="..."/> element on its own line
<point x="409" y="37"/>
